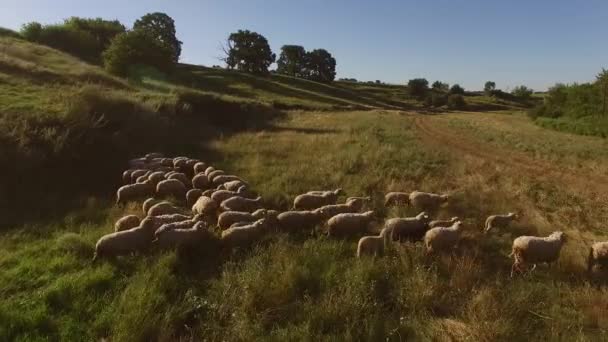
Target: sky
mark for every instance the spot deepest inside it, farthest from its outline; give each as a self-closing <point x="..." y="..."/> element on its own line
<point x="536" y="43"/>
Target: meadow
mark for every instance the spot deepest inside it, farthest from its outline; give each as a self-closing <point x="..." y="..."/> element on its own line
<point x="366" y="139"/>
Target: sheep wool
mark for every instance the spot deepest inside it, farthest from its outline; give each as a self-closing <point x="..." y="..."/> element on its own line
<point x="200" y="181"/>
<point x="349" y="224"/>
<point x="221" y="179"/>
<point x="499" y="221"/>
<point x="374" y="245"/>
<point x="293" y="221"/>
<point x="212" y="174"/>
<point x="352" y="205"/>
<point x="126" y="241"/>
<point x="238" y="203"/>
<point x="132" y="192"/>
<point x="442" y="238"/>
<point x="244" y="235"/>
<point x="183" y="237"/>
<point x="426" y="200"/>
<point x="199" y="167"/>
<point x="180" y="176"/>
<point x="409" y="228"/>
<point x="534" y="250"/>
<point x="598" y="255"/>
<point x="163" y="208"/>
<point x="443" y="223"/>
<point x="315" y="201"/>
<point x="192" y="195"/>
<point x="228" y="218"/>
<point x="171" y="187"/>
<point x="126" y="223"/>
<point x="205" y="206"/>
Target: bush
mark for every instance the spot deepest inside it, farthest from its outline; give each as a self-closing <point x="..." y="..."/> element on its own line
<point x="457" y="89"/>
<point x="418" y="87"/>
<point x="65" y="38"/>
<point x="136" y="48"/>
<point x="522" y="92"/>
<point x="456" y="101"/>
<point x="436" y="100"/>
<point x="4" y="32"/>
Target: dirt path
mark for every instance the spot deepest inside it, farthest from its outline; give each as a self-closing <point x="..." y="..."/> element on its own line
<point x="516" y="161"/>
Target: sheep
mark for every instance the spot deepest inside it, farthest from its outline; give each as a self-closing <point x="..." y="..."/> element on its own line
<point x="167" y="162"/>
<point x="221" y="179"/>
<point x="138" y="173"/>
<point x="352" y="205"/>
<point x="409" y="228"/>
<point x="393" y="198"/>
<point x="200" y="181"/>
<point x="141" y="179"/>
<point x="292" y="221"/>
<point x="443" y="223"/>
<point x="126" y="176"/>
<point x="126" y="241"/>
<point x="315" y="201"/>
<point x="163" y="208"/>
<point x="183" y="237"/>
<point x="228" y="218"/>
<point x="320" y="192"/>
<point x="192" y="195"/>
<point x="180" y="163"/>
<point x="208" y="192"/>
<point x="137" y="163"/>
<point x="199" y="167"/>
<point x="238" y="203"/>
<point x="153" y="155"/>
<point x="205" y="206"/>
<point x="181" y="177"/>
<point x="208" y="170"/>
<point x="126" y="223"/>
<point x="244" y="235"/>
<point x="442" y="238"/>
<point x="177" y="222"/>
<point x="133" y="191"/>
<point x="598" y="255"/>
<point x="499" y="221"/>
<point x="214" y="174"/>
<point x="148" y="204"/>
<point x="221" y="195"/>
<point x="234" y="185"/>
<point x="159" y="221"/>
<point x="189" y="167"/>
<point x="156" y="177"/>
<point x="171" y="187"/>
<point x="349" y="223"/>
<point x="534" y="250"/>
<point x="374" y="245"/>
<point x="427" y="201"/>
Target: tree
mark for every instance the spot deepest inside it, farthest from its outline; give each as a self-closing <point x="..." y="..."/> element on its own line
<point x="418" y="86"/>
<point x="102" y="30"/>
<point x="489" y="87"/>
<point x="522" y="92"/>
<point x="320" y="66"/>
<point x="438" y="85"/>
<point x="292" y="60"/>
<point x="457" y="89"/>
<point x="602" y="81"/>
<point x="248" y="51"/>
<point x="137" y="47"/>
<point x="161" y="27"/>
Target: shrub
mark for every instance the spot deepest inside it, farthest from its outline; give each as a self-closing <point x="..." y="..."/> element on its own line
<point x="66" y="38"/>
<point x="457" y="89"/>
<point x="456" y="101"/>
<point x="418" y="86"/>
<point x="4" y="32"/>
<point x="436" y="100"/>
<point x="134" y="48"/>
<point x="522" y="92"/>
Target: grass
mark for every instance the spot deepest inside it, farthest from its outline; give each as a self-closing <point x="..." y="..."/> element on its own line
<point x="584" y="126"/>
<point x="299" y="287"/>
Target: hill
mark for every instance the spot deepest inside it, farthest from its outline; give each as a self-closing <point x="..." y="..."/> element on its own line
<point x="69" y="128"/>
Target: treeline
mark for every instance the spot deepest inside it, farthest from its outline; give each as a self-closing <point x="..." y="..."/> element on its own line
<point x="153" y="42"/>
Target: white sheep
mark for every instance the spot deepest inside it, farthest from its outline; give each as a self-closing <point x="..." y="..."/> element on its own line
<point x="126" y="241"/>
<point x="199" y="167"/>
<point x="156" y="177"/>
<point x="208" y="192"/>
<point x="238" y="203"/>
<point x="126" y="223"/>
<point x="221" y="195"/>
<point x="208" y="170"/>
<point x="174" y="223"/>
<point x="395" y="198"/>
<point x="141" y="179"/>
<point x="352" y="205"/>
<point x="148" y="204"/>
<point x="293" y="221"/>
<point x="442" y="238"/>
<point x="499" y="221"/>
<point x="189" y="167"/>
<point x="171" y="187"/>
<point x="138" y="173"/>
<point x="180" y="176"/>
<point x="234" y="185"/>
<point x="349" y="224"/>
<point x="443" y="223"/>
<point x="244" y="235"/>
<point x="314" y="201"/>
<point x="409" y="228"/>
<point x="426" y="200"/>
<point x="131" y="192"/>
<point x="167" y="162"/>
<point x="159" y="221"/>
<point x="126" y="176"/>
<point x="153" y="155"/>
<point x="226" y="219"/>
<point x="534" y="250"/>
<point x="180" y="163"/>
<point x="221" y="179"/>
<point x="374" y="245"/>
<point x="200" y="181"/>
<point x="192" y="195"/>
<point x="183" y="237"/>
<point x="205" y="206"/>
<point x="164" y="208"/>
<point x="598" y="255"/>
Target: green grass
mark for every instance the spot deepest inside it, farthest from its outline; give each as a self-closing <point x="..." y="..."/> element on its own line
<point x="583" y="126"/>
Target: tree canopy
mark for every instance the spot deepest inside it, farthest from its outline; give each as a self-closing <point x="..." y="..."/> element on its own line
<point x="137" y="47"/>
<point x="457" y="89"/>
<point x="249" y="51"/>
<point x="418" y="86"/>
<point x="320" y="66"/>
<point x="292" y="61"/>
<point x="438" y="85"/>
<point x="489" y="87"/>
<point x="162" y="28"/>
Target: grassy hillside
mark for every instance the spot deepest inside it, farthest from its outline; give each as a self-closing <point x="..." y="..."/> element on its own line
<point x="68" y="129"/>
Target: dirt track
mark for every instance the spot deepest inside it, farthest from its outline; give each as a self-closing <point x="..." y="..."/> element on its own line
<point x="574" y="179"/>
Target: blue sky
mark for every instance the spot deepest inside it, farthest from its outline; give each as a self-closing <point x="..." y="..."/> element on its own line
<point x="534" y="42"/>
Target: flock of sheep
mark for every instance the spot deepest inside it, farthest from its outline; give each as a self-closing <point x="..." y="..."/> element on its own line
<point x="186" y="198"/>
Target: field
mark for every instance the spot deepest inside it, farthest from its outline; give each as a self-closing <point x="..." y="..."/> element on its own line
<point x="366" y="139"/>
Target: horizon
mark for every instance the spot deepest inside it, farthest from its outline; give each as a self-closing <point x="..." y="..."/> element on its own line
<point x="549" y="42"/>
